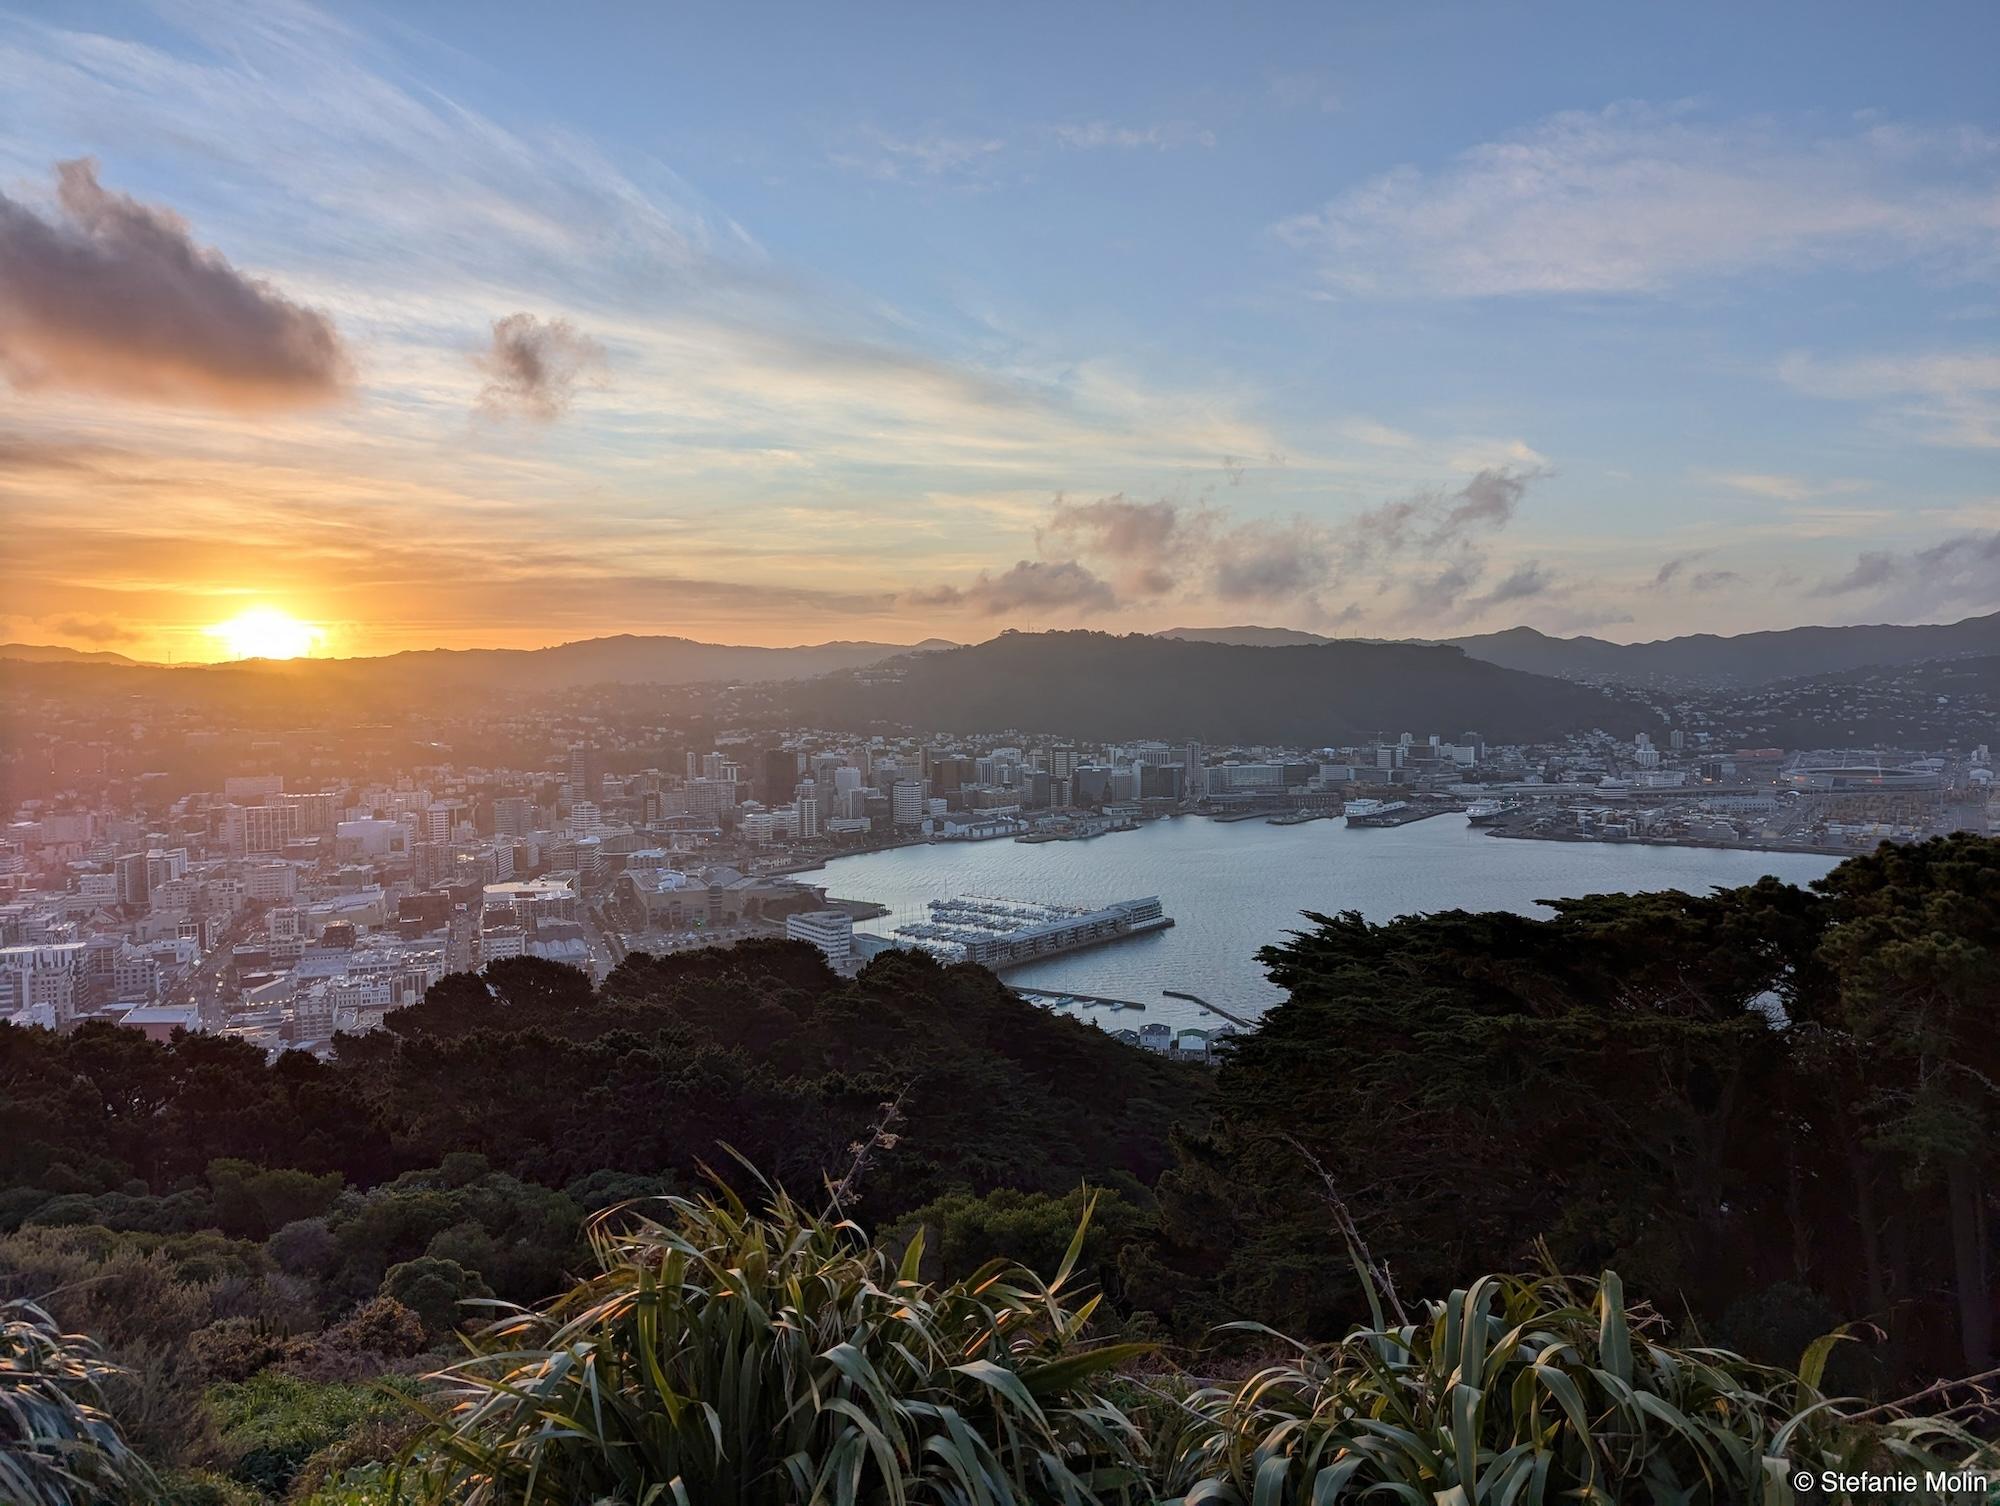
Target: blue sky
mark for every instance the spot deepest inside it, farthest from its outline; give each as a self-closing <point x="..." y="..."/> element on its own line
<point x="784" y="323"/>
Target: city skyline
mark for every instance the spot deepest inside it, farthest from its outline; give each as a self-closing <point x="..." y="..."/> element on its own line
<point x="326" y="332"/>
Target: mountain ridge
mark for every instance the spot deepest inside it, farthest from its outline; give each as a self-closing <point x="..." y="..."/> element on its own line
<point x="1101" y="687"/>
<point x="1736" y="659"/>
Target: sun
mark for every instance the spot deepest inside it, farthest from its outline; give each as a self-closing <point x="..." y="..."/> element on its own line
<point x="266" y="633"/>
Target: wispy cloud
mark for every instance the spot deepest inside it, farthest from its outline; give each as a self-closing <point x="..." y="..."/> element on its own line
<point x="925" y="155"/>
<point x="1636" y="199"/>
<point x="1940" y="397"/>
<point x="1162" y="136"/>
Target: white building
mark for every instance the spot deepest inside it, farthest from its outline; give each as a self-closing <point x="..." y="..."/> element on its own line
<point x="832" y="931"/>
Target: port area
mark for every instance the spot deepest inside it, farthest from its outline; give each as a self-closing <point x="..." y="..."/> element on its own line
<point x="1299" y="818"/>
<point x="1050" y="998"/>
<point x="1002" y="933"/>
<point x="1397" y="812"/>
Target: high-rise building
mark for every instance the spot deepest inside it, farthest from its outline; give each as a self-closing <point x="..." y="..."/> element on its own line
<point x="1193" y="758"/>
<point x="132" y="879"/>
<point x="586" y="773"/>
<point x="906" y="802"/>
<point x="512" y="816"/>
<point x="778" y="775"/>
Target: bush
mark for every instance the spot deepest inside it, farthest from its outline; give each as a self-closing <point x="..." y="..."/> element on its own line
<point x="236" y="1349"/>
<point x="303" y="1247"/>
<point x="1528" y="1389"/>
<point x="433" y="1289"/>
<point x="381" y="1325"/>
<point x="781" y="1358"/>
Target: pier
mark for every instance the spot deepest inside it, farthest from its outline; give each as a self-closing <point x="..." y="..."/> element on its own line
<point x="1054" y="998"/>
<point x="1215" y="1009"/>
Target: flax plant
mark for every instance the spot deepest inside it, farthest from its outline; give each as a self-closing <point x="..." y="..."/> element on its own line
<point x="58" y="1445"/>
<point x="1521" y="1390"/>
<point x="722" y="1357"/>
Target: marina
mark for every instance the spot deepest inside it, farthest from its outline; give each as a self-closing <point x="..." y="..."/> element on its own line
<point x="999" y="933"/>
<point x="1049" y="998"/>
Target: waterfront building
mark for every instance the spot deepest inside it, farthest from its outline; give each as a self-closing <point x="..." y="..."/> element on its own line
<point x="832" y="931"/>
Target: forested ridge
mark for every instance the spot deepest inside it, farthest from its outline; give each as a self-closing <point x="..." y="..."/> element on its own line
<point x="1770" y="1110"/>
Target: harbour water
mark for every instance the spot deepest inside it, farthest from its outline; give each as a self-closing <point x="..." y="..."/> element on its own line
<point x="1234" y="887"/>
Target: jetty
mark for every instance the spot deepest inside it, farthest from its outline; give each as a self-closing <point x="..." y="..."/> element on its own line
<point x="1215" y="1009"/>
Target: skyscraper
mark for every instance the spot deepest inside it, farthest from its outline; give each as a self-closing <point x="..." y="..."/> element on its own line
<point x="586" y="773"/>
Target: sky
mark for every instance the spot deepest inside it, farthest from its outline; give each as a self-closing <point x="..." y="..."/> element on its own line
<point x="504" y="325"/>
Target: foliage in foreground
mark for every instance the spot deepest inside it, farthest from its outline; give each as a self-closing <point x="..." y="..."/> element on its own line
<point x="779" y="1359"/>
<point x="58" y="1446"/>
<point x="1529" y="1390"/>
<point x="767" y="1360"/>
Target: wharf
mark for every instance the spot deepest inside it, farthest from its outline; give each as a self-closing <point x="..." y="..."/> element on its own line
<point x="1234" y="1019"/>
<point x="1405" y="816"/>
<point x="1049" y="997"/>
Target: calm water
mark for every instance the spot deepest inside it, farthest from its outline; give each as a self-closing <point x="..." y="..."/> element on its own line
<point x="1233" y="887"/>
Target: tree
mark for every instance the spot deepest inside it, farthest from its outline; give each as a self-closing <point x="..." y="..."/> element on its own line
<point x="433" y="1289"/>
<point x="1916" y="945"/>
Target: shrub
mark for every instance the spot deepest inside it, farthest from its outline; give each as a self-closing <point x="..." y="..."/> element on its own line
<point x="303" y="1247"/>
<point x="381" y="1325"/>
<point x="1528" y="1390"/>
<point x="433" y="1288"/>
<point x="236" y="1349"/>
<point x="763" y="1360"/>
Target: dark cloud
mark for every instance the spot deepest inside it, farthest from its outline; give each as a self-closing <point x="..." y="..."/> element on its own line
<point x="93" y="629"/>
<point x="1437" y="520"/>
<point x="1488" y="500"/>
<point x="1962" y="569"/>
<point x="1677" y="569"/>
<point x="1030" y="586"/>
<point x="1145" y="543"/>
<point x="533" y="367"/>
<point x="114" y="296"/>
<point x="1872" y="569"/>
<point x="1272" y="562"/>
<point x="1523" y="583"/>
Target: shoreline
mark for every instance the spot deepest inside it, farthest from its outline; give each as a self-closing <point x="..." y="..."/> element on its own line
<point x="1705" y="844"/>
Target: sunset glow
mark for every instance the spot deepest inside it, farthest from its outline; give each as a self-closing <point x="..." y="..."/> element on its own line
<point x="626" y="349"/>
<point x="266" y="633"/>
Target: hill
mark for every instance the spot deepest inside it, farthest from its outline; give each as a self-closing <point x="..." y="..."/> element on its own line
<point x="1246" y="637"/>
<point x="1741" y="659"/>
<point x="1096" y="686"/>
<point x="50" y="653"/>
<point x="626" y="659"/>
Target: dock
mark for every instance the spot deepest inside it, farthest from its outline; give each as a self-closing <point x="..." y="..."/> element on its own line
<point x="1215" y="1009"/>
<point x="1051" y="998"/>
